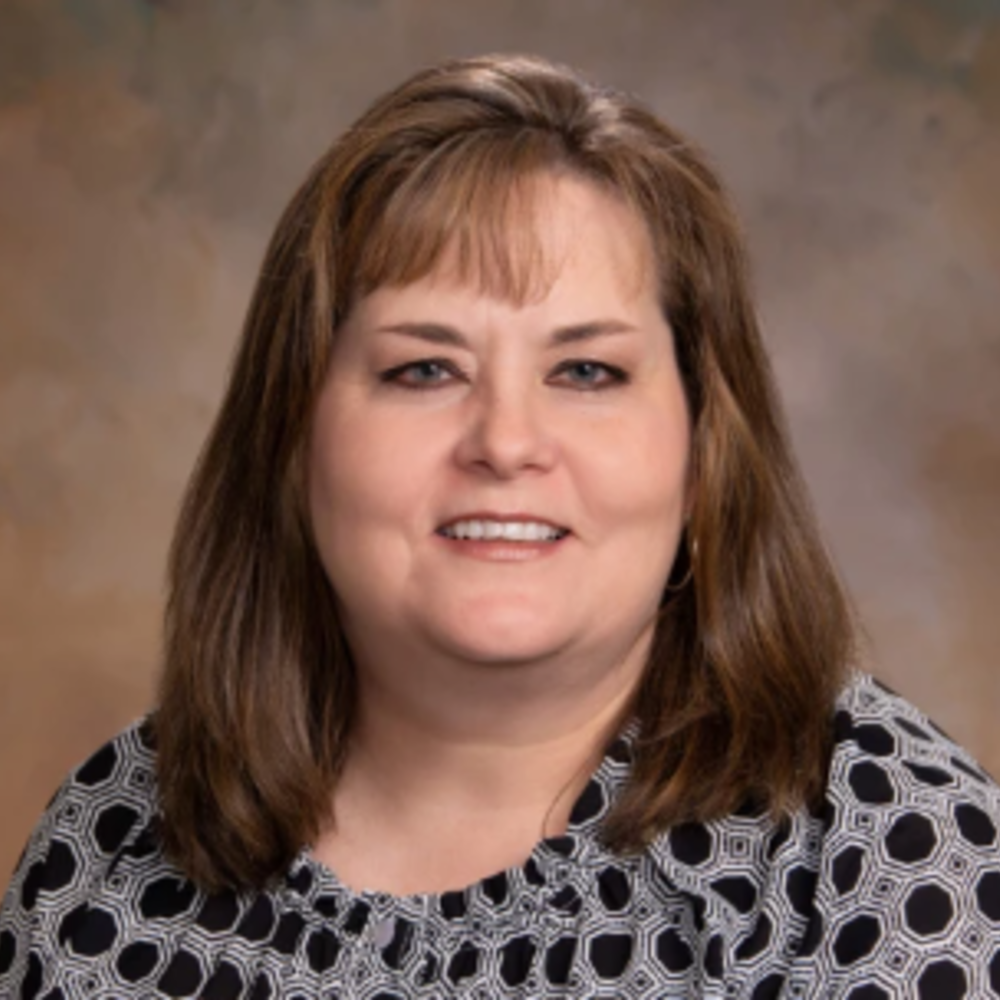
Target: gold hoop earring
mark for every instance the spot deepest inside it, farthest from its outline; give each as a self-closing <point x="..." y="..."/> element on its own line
<point x="692" y="557"/>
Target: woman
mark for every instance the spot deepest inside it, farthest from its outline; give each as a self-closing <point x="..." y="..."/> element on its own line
<point x="502" y="656"/>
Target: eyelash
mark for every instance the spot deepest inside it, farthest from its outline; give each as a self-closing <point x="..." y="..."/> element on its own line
<point x="395" y="376"/>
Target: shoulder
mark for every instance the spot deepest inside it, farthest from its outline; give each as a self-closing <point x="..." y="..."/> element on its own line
<point x="104" y="807"/>
<point x="101" y="802"/>
<point x="889" y="755"/>
<point x="910" y="870"/>
<point x="895" y="881"/>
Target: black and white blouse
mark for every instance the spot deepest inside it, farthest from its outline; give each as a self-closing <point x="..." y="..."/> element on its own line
<point x="893" y="890"/>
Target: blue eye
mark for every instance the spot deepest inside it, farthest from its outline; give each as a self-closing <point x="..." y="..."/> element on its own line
<point x="424" y="374"/>
<point x="586" y="374"/>
<point x="431" y="373"/>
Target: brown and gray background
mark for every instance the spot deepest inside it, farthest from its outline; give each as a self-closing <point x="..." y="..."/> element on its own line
<point x="146" y="149"/>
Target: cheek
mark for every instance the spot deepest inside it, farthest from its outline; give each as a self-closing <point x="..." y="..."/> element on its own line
<point x="640" y="470"/>
<point x="338" y="484"/>
<point x="363" y="476"/>
<point x="341" y="455"/>
<point x="344" y="493"/>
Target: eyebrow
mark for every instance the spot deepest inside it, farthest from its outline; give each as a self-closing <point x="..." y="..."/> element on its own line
<point x="575" y="333"/>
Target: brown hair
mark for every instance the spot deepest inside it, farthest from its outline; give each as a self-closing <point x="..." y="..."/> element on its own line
<point x="258" y="692"/>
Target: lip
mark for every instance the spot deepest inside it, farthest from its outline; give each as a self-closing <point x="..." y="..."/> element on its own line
<point x="499" y="551"/>
<point x="520" y="517"/>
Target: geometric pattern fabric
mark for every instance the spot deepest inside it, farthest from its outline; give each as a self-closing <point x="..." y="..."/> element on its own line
<point x="892" y="890"/>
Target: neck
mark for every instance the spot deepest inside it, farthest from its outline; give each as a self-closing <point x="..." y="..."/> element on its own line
<point x="490" y="737"/>
<point x="445" y="752"/>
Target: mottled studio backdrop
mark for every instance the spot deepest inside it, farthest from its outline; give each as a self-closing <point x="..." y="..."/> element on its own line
<point x="147" y="148"/>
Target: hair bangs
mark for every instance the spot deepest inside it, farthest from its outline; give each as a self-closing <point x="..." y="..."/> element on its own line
<point x="470" y="213"/>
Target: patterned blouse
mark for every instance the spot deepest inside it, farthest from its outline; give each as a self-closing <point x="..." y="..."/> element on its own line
<point x="892" y="890"/>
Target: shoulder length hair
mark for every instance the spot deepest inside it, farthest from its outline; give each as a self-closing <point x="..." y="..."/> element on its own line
<point x="257" y="694"/>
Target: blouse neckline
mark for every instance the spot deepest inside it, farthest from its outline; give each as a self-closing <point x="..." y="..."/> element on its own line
<point x="543" y="879"/>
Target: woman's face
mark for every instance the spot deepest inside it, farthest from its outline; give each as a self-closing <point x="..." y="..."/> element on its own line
<point x="504" y="483"/>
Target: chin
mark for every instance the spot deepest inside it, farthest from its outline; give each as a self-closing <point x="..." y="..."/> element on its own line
<point x="493" y="623"/>
<point x="502" y="643"/>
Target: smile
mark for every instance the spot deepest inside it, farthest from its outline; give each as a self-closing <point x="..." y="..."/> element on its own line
<point x="505" y="531"/>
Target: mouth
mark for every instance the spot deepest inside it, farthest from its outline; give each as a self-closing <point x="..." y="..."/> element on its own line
<point x="495" y="528"/>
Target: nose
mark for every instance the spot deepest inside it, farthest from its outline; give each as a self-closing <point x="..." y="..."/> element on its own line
<point x="505" y="434"/>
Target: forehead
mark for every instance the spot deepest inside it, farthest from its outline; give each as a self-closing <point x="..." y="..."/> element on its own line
<point x="559" y="239"/>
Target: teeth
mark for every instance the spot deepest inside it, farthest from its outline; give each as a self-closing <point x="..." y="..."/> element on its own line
<point x="509" y="531"/>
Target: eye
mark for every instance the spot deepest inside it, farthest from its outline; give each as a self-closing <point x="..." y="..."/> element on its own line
<point x="427" y="373"/>
<point x="587" y="374"/>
